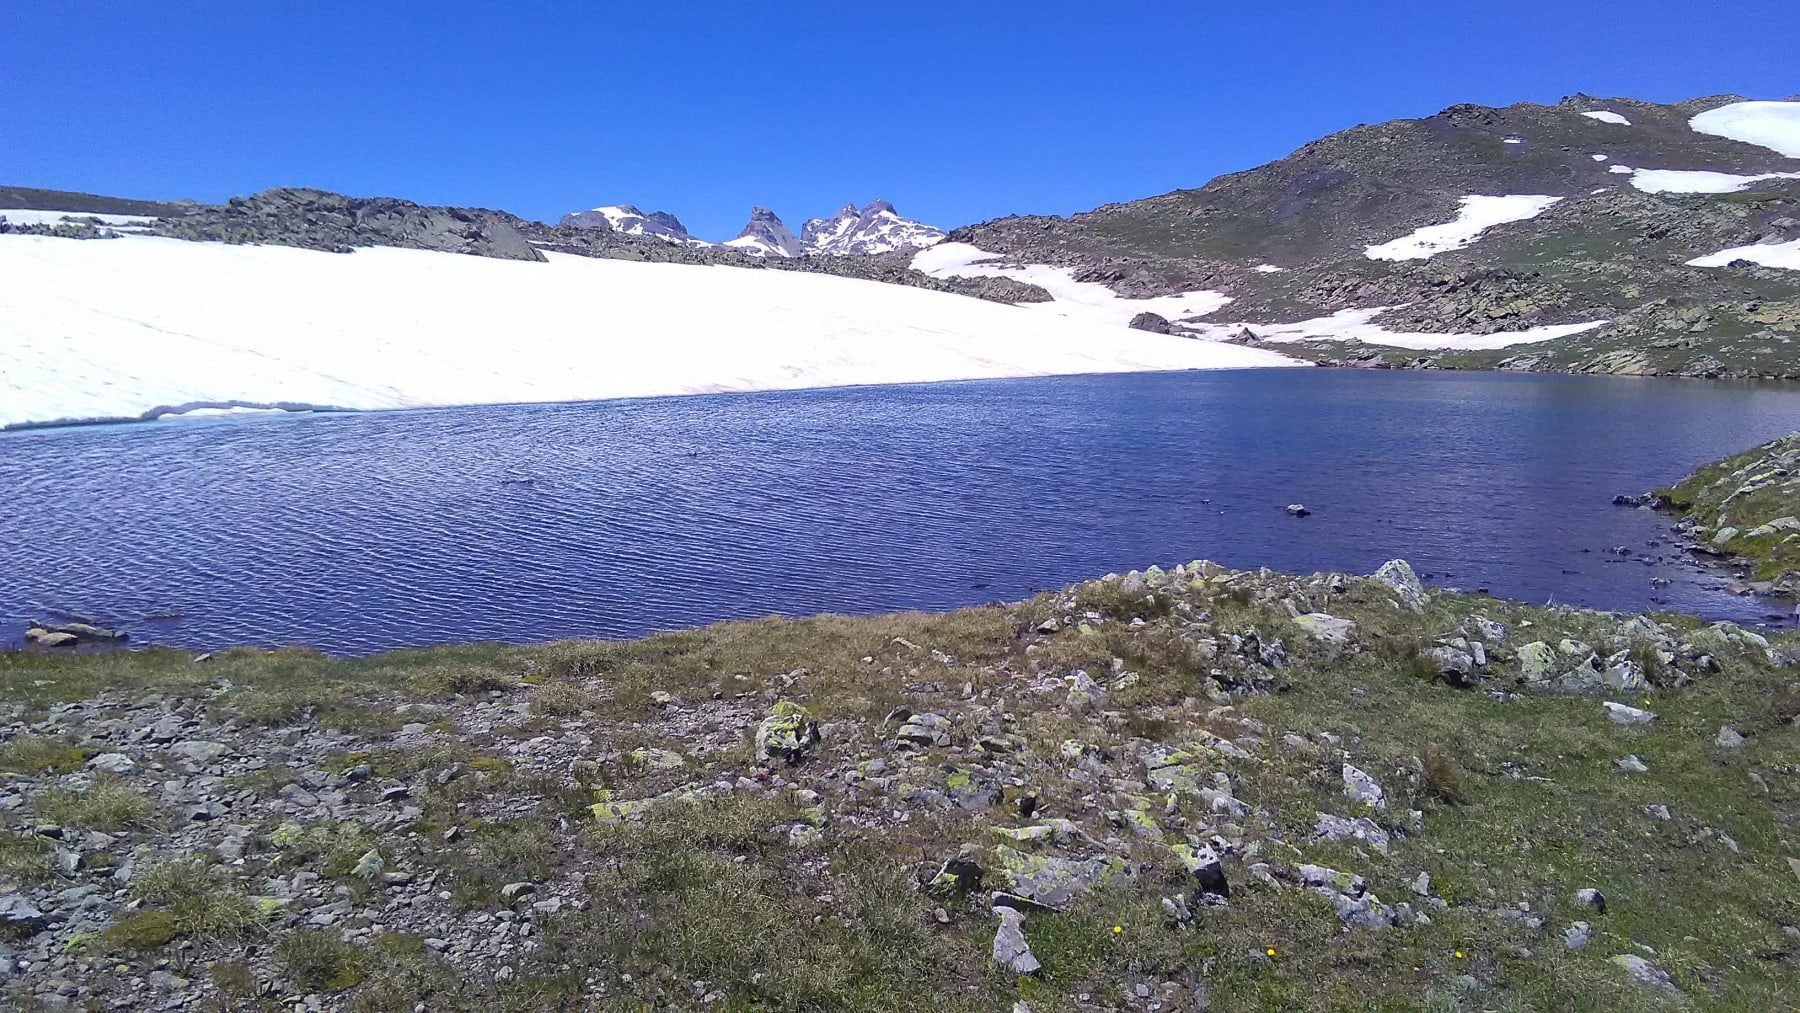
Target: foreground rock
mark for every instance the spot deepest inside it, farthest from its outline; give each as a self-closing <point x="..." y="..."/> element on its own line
<point x="1321" y="782"/>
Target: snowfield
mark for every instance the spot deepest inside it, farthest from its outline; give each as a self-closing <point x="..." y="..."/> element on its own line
<point x="1477" y="215"/>
<point x="1697" y="180"/>
<point x="1607" y="116"/>
<point x="1080" y="299"/>
<point x="23" y="216"/>
<point x="1359" y="325"/>
<point x="137" y="327"/>
<point x="1773" y="125"/>
<point x="1768" y="254"/>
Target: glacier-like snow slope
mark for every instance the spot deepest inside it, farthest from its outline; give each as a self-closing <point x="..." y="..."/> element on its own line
<point x="1785" y="255"/>
<point x="128" y="327"/>
<point x="1071" y="298"/>
<point x="1477" y="215"/>
<point x="1359" y="325"/>
<point x="1773" y="125"/>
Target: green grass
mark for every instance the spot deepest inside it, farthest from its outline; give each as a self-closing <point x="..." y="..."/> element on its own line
<point x="105" y="804"/>
<point x="36" y="754"/>
<point x="1520" y="802"/>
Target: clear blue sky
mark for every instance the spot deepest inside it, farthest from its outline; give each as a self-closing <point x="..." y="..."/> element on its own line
<point x="956" y="111"/>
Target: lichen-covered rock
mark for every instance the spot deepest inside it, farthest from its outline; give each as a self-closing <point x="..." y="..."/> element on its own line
<point x="924" y="730"/>
<point x="787" y="735"/>
<point x="1084" y="693"/>
<point x="1204" y="864"/>
<point x="1363" y="788"/>
<point x="1644" y="972"/>
<point x="1397" y="576"/>
<point x="1052" y="881"/>
<point x="1361" y="829"/>
<point x="1327" y="629"/>
<point x="1537" y="664"/>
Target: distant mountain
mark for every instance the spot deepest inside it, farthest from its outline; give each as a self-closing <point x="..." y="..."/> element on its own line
<point x="627" y="220"/>
<point x="766" y="235"/>
<point x="853" y="231"/>
<point x="876" y="228"/>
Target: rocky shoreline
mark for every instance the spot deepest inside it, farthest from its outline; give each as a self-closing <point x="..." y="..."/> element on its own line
<point x="1163" y="790"/>
<point x="1742" y="510"/>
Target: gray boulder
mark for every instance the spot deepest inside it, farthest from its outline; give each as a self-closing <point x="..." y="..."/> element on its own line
<point x="1155" y="323"/>
<point x="1011" y="950"/>
<point x="1397" y="576"/>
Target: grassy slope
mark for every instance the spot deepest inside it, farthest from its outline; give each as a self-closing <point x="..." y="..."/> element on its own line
<point x="716" y="890"/>
<point x="1743" y="493"/>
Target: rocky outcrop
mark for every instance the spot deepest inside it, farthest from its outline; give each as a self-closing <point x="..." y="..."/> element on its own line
<point x="1746" y="507"/>
<point x="317" y="220"/>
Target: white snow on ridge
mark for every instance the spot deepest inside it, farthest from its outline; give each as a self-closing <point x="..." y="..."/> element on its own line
<point x="1359" y="325"/>
<point x="1082" y="299"/>
<point x="1696" y="180"/>
<point x="1477" y="215"/>
<point x="22" y="216"/>
<point x="1773" y="125"/>
<point x="118" y="329"/>
<point x="1607" y="116"/>
<point x="1768" y="254"/>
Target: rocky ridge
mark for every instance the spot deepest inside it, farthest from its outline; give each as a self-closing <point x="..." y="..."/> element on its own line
<point x="1163" y="790"/>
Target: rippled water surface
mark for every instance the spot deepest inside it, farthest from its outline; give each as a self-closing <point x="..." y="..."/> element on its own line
<point x="359" y="532"/>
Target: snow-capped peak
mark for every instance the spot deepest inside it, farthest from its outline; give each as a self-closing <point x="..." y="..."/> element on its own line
<point x="766" y="235"/>
<point x="876" y="228"/>
<point x="626" y="219"/>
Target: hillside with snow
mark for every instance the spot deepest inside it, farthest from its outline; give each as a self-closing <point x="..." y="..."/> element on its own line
<point x="1609" y="235"/>
<point x="138" y="326"/>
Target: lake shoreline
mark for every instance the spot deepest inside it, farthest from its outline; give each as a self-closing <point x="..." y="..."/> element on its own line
<point x="1248" y="762"/>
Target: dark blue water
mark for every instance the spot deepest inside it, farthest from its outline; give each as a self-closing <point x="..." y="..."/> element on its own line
<point x="359" y="532"/>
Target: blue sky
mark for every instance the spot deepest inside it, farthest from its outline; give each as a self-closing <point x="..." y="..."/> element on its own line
<point x="955" y="111"/>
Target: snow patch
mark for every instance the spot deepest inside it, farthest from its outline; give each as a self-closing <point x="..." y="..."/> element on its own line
<point x="138" y="324"/>
<point x="1515" y="140"/>
<point x="1607" y="116"/>
<point x="1070" y="298"/>
<point x="1477" y="215"/>
<point x="1359" y="325"/>
<point x="1268" y="269"/>
<point x="209" y="412"/>
<point x="23" y="216"/>
<point x="1622" y="170"/>
<point x="1772" y="125"/>
<point x="1785" y="255"/>
<point x="1698" y="181"/>
<point x="1602" y="158"/>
